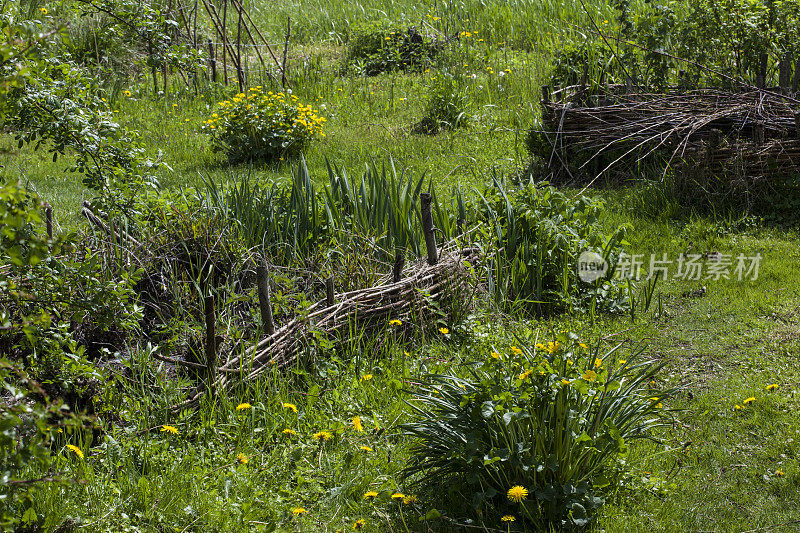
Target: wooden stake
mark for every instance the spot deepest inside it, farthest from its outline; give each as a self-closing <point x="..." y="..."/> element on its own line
<point x="761" y="79"/>
<point x="427" y="228"/>
<point x="153" y="68"/>
<point x="329" y="291"/>
<point x="286" y="51"/>
<point x="211" y="341"/>
<point x="758" y="134"/>
<point x="48" y="219"/>
<point x="785" y="73"/>
<point x="262" y="279"/>
<point x="212" y="60"/>
<point x="224" y="38"/>
<point x="397" y="269"/>
<point x="239" y="73"/>
<point x="797" y="124"/>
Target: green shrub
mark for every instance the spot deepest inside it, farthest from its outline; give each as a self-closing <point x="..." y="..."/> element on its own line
<point x="262" y="126"/>
<point x="384" y="47"/>
<point x="536" y="235"/>
<point x="447" y="105"/>
<point x="554" y="419"/>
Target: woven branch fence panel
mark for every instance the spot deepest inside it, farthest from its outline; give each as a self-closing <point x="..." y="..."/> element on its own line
<point x="446" y="284"/>
<point x="755" y="133"/>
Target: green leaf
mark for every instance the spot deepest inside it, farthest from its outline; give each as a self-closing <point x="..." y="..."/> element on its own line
<point x="433" y="514"/>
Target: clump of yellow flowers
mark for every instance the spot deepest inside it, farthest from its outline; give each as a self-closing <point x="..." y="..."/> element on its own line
<point x="262" y="125"/>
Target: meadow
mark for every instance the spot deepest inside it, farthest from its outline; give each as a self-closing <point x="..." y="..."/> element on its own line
<point x="322" y="444"/>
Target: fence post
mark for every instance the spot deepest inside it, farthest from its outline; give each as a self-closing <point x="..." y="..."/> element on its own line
<point x="211" y="341"/>
<point x="797" y="124"/>
<point x="212" y="61"/>
<point x="239" y="72"/>
<point x="397" y="269"/>
<point x="224" y="35"/>
<point x="48" y="219"/>
<point x="761" y="78"/>
<point x="329" y="291"/>
<point x="427" y="228"/>
<point x="785" y="73"/>
<point x="264" y="304"/>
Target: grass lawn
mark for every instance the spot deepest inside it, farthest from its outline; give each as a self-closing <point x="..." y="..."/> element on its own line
<point x="729" y="462"/>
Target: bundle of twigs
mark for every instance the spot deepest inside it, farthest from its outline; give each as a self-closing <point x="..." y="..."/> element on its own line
<point x="366" y="309"/>
<point x="759" y="131"/>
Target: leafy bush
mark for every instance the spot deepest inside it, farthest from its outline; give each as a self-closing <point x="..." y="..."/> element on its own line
<point x="552" y="419"/>
<point x="384" y="47"/>
<point x="65" y="107"/>
<point x="536" y="236"/>
<point x="447" y="105"/>
<point x="262" y="126"/>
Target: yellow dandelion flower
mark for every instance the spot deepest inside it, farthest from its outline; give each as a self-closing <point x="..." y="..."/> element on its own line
<point x="398" y="496"/>
<point x="357" y="424"/>
<point x="738" y="407"/>
<point x="779" y="473"/>
<point x="517" y="493"/>
<point x="366" y="377"/>
<point x="126" y="93"/>
<point x="370" y="495"/>
<point x="297" y="511"/>
<point x="748" y="401"/>
<point x="590" y="375"/>
<point x="242" y="459"/>
<point x="444" y="331"/>
<point x="598" y="363"/>
<point x="525" y="374"/>
<point x="565" y="382"/>
<point x="43" y="10"/>
<point x="169" y="429"/>
<point x="288" y="431"/>
<point x="552" y="347"/>
<point x="323" y="436"/>
<point x="77" y="451"/>
<point x="359" y="524"/>
<point x="243" y="406"/>
<point x="366" y="449"/>
<point x="395" y="322"/>
<point x="508" y="518"/>
<point x="516" y="351"/>
<point x="495" y="355"/>
<point x="772" y="387"/>
<point x="290" y="406"/>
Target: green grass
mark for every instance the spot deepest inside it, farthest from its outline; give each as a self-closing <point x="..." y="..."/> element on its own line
<point x="716" y="469"/>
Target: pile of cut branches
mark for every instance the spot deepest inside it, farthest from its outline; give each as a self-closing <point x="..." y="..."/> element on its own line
<point x="749" y="135"/>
